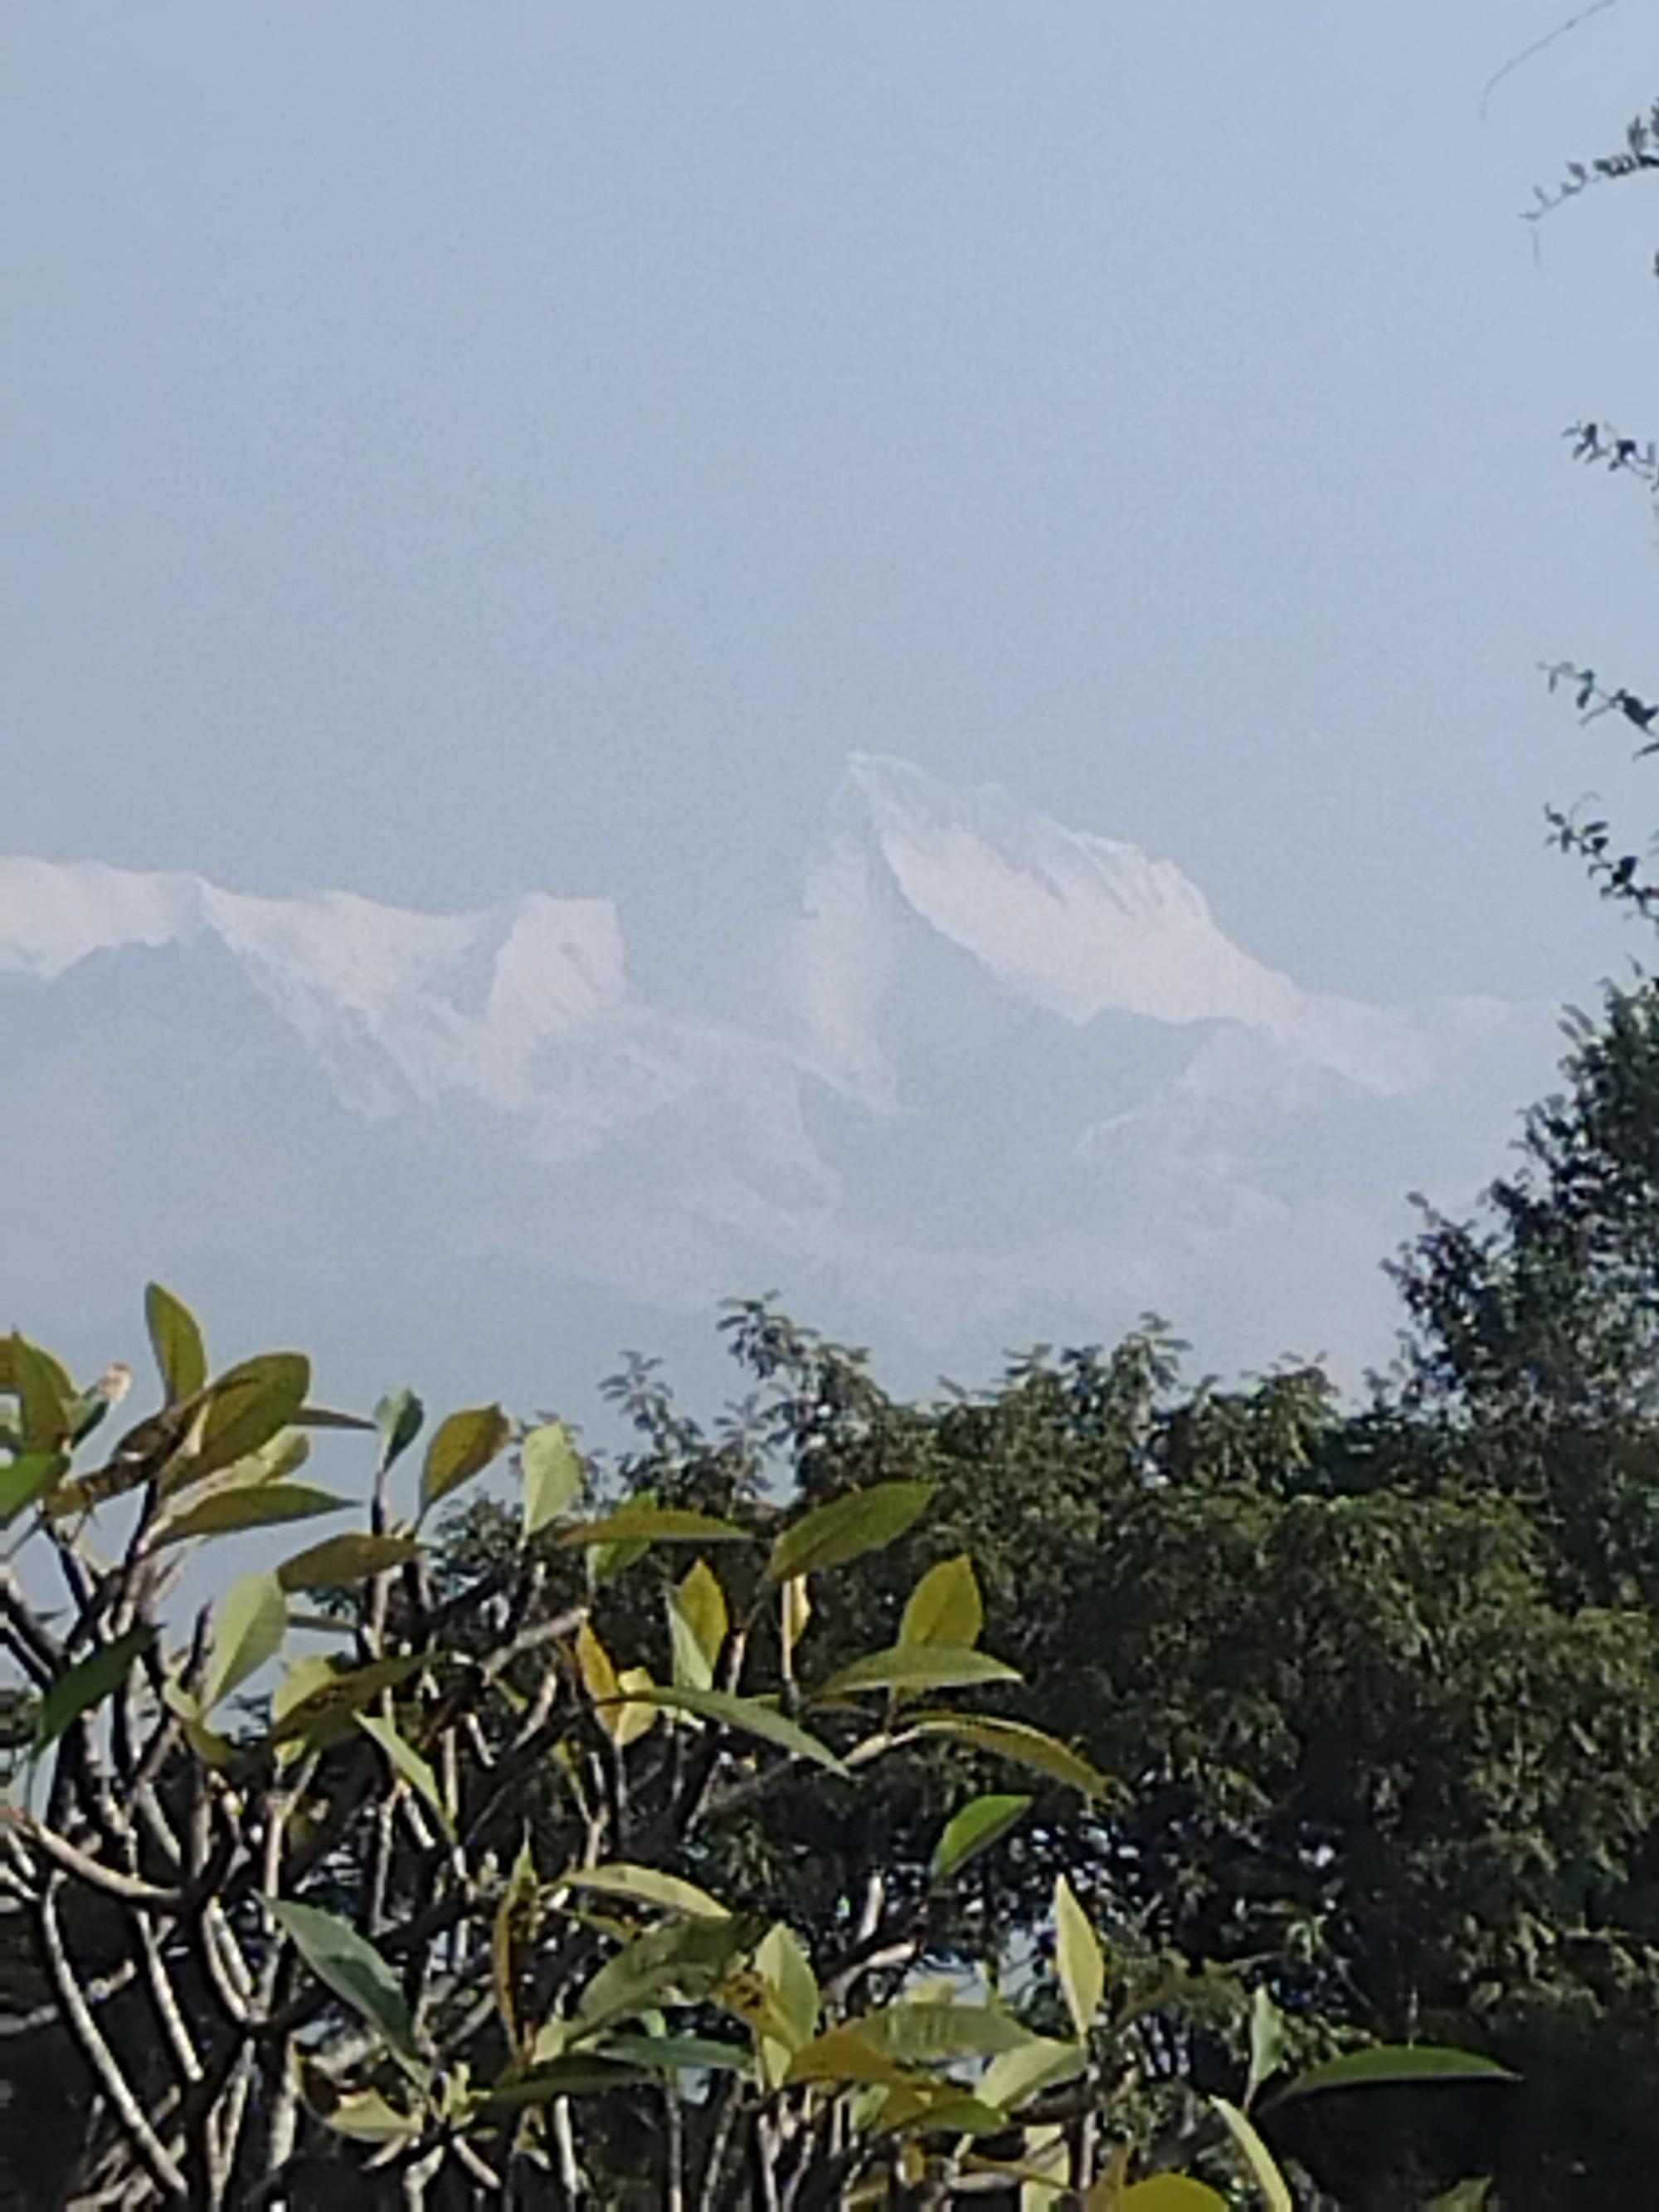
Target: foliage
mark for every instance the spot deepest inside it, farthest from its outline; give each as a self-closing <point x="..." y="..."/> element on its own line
<point x="481" y="1894"/>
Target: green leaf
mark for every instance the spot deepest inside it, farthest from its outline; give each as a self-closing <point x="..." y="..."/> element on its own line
<point x="917" y="1666"/>
<point x="339" y="1561"/>
<point x="256" y="1505"/>
<point x="680" y="1961"/>
<point x="249" y="1629"/>
<point x="349" y="1964"/>
<point x="1014" y="1740"/>
<point x="397" y="1417"/>
<point x="946" y="1606"/>
<point x="1078" y="1959"/>
<point x="464" y="1446"/>
<point x="647" y="1885"/>
<point x="553" y="1475"/>
<point x="653" y="1524"/>
<point x="1269" y="2042"/>
<point x="697" y="1624"/>
<point x="175" y="1336"/>
<point x="245" y="1409"/>
<point x="365" y="2116"/>
<point x="1262" y="2165"/>
<point x="1016" y="2074"/>
<point x="581" y="2073"/>
<point x="916" y="2033"/>
<point x="87" y="1683"/>
<point x="847" y="1528"/>
<point x="327" y="1700"/>
<point x="27" y="1478"/>
<point x="785" y="2015"/>
<point x="1170" y="2192"/>
<point x="746" y="1715"/>
<point x="406" y="1761"/>
<point x="981" y="1822"/>
<point x="845" y="2054"/>
<point x="511" y="1943"/>
<point x="45" y="1395"/>
<point x="677" y="2054"/>
<point x="1394" y="2062"/>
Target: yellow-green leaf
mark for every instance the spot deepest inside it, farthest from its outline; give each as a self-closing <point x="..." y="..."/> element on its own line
<point x="653" y="1524"/>
<point x="1015" y="2075"/>
<point x="244" y="1409"/>
<point x="643" y="1884"/>
<point x="1169" y="2192"/>
<point x="30" y="1476"/>
<point x="1392" y="2061"/>
<point x="463" y="1446"/>
<point x="255" y="1505"/>
<point x="918" y="2033"/>
<point x="863" y="1520"/>
<point x="248" y="1629"/>
<point x="1078" y="1959"/>
<point x="794" y="1611"/>
<point x="844" y="2054"/>
<point x="981" y="1822"/>
<point x="176" y="1337"/>
<point x="397" y="1417"/>
<point x="316" y="1703"/>
<point x="747" y="1715"/>
<point x="408" y="1763"/>
<point x="339" y="1561"/>
<point x="946" y="1606"/>
<point x="45" y="1395"/>
<point x="700" y="1605"/>
<point x="1014" y="1740"/>
<point x="789" y="2016"/>
<point x="916" y="1667"/>
<point x="552" y="1475"/>
<point x="511" y="1940"/>
<point x="1260" y="2162"/>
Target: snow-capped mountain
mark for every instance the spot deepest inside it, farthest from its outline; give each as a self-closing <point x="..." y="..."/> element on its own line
<point x="1007" y="1080"/>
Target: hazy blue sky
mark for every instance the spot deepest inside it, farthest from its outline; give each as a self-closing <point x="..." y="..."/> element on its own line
<point x="454" y="449"/>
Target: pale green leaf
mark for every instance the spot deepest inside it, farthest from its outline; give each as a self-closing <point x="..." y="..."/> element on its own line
<point x="247" y="1630"/>
<point x="653" y="1524"/>
<point x="746" y="1715"/>
<point x="397" y="1417"/>
<point x="255" y="1505"/>
<point x="406" y="1761"/>
<point x="1269" y="2042"/>
<point x="1078" y="1959"/>
<point x="245" y="1408"/>
<point x="1394" y="2062"/>
<point x="918" y="2033"/>
<point x="1014" y="1740"/>
<point x="315" y="1702"/>
<point x="1259" y="2161"/>
<point x="552" y="1475"/>
<point x="647" y="1885"/>
<point x="1016" y="2074"/>
<point x="30" y="1476"/>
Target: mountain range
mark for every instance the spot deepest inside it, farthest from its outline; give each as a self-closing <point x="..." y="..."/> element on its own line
<point x="1001" y="1080"/>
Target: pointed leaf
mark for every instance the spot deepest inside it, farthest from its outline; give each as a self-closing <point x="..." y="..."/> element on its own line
<point x="748" y="1715"/>
<point x="1078" y="1959"/>
<point x="1027" y="1747"/>
<point x="843" y="2054"/>
<point x="327" y="1699"/>
<point x="1394" y="2062"/>
<point x="27" y="1478"/>
<point x="256" y="1505"/>
<point x="653" y="1524"/>
<point x="339" y="1561"/>
<point x="87" y="1683"/>
<point x="647" y="1885"/>
<point x="794" y="1611"/>
<point x="349" y="1964"/>
<point x="981" y="1822"/>
<point x="863" y="1520"/>
<point x="677" y="2054"/>
<point x="397" y="1417"/>
<point x="946" y="1606"/>
<point x="250" y="1624"/>
<point x="699" y="1610"/>
<point x="246" y="1408"/>
<point x="406" y="1761"/>
<point x="511" y="1940"/>
<point x="45" y="1395"/>
<point x="176" y="1337"/>
<point x="1262" y="2165"/>
<point x="917" y="1666"/>
<point x="464" y="1446"/>
<point x="553" y="1475"/>
<point x="1169" y="2192"/>
<point x="788" y="2016"/>
<point x="1270" y="2041"/>
<point x="1017" y="2074"/>
<point x="918" y="2033"/>
<point x="581" y="2073"/>
<point x="680" y="1961"/>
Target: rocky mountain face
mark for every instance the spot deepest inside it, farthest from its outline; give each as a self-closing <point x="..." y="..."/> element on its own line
<point x="1005" y="1081"/>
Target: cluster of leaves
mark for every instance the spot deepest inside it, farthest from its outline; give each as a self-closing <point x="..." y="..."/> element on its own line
<point x="481" y="1898"/>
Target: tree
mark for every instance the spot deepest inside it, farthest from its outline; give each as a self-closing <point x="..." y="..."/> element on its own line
<point x="473" y="1907"/>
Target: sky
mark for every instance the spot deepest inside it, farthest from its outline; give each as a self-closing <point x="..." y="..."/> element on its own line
<point x="455" y="452"/>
